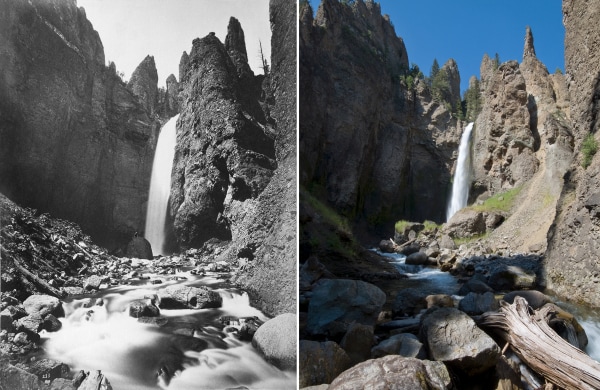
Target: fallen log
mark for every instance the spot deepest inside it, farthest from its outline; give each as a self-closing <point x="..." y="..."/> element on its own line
<point x="29" y="277"/>
<point x="540" y="347"/>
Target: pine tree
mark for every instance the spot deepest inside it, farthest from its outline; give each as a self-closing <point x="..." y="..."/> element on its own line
<point x="435" y="69"/>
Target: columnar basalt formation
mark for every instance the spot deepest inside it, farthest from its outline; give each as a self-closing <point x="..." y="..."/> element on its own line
<point x="572" y="263"/>
<point x="373" y="145"/>
<point x="76" y="142"/>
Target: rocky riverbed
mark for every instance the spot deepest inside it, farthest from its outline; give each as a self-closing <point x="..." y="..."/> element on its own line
<point x="74" y="316"/>
<point x="422" y="330"/>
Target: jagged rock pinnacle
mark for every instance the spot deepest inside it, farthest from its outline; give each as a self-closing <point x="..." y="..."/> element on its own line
<point x="528" y="50"/>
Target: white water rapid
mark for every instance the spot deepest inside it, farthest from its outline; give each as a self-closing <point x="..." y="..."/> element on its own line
<point x="462" y="176"/>
<point x="160" y="186"/>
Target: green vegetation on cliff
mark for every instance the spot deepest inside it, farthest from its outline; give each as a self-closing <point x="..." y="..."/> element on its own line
<point x="588" y="149"/>
<point x="502" y="201"/>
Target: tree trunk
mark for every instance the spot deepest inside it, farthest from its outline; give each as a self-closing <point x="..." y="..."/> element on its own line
<point x="540" y="347"/>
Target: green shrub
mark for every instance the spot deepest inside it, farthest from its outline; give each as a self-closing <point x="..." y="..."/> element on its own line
<point x="499" y="202"/>
<point x="401" y="225"/>
<point x="589" y="149"/>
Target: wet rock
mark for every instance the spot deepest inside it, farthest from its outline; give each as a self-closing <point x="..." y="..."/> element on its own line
<point x="394" y="373"/>
<point x="321" y="362"/>
<point x="474" y="304"/>
<point x="512" y="277"/>
<point x="185" y="297"/>
<point x="534" y="298"/>
<point x="386" y="246"/>
<point x="335" y="303"/>
<point x="357" y="342"/>
<point x="43" y="305"/>
<point x="95" y="380"/>
<point x="417" y="258"/>
<point x="452" y="337"/>
<point x="51" y="323"/>
<point x="92" y="283"/>
<point x="249" y="328"/>
<point x="139" y="248"/>
<point x="403" y="344"/>
<point x="276" y="341"/>
<point x="143" y="308"/>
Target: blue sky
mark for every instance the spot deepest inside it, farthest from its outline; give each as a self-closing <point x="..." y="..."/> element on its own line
<point x="467" y="29"/>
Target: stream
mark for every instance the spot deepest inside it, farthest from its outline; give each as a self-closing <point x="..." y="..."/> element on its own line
<point x="434" y="281"/>
<point x="193" y="344"/>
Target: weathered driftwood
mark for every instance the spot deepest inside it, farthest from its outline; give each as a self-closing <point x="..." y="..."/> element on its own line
<point x="540" y="347"/>
<point x="398" y="247"/>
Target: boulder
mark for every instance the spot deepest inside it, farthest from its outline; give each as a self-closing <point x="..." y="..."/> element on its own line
<point x="465" y="223"/>
<point x="403" y="344"/>
<point x="452" y="337"/>
<point x="474" y="285"/>
<point x="15" y="378"/>
<point x="311" y="271"/>
<point x="32" y="323"/>
<point x="143" y="308"/>
<point x="534" y="298"/>
<point x="139" y="248"/>
<point x="6" y="320"/>
<point x="43" y="305"/>
<point x="408" y="302"/>
<point x="51" y="323"/>
<point x="446" y="242"/>
<point x="512" y="277"/>
<point x="474" y="304"/>
<point x="62" y="384"/>
<point x="321" y="362"/>
<point x="394" y="373"/>
<point x="336" y="303"/>
<point x="439" y="300"/>
<point x="95" y="380"/>
<point x="386" y="246"/>
<point x="92" y="283"/>
<point x="185" y="297"/>
<point x="357" y="342"/>
<point x="417" y="258"/>
<point x="276" y="341"/>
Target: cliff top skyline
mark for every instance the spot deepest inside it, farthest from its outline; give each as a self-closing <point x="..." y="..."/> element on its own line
<point x="468" y="29"/>
<point x="132" y="29"/>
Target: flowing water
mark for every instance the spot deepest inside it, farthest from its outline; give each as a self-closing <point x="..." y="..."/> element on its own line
<point x="462" y="176"/>
<point x="202" y="351"/>
<point x="160" y="186"/>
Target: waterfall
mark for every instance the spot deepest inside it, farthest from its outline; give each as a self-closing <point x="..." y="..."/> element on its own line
<point x="160" y="186"/>
<point x="462" y="176"/>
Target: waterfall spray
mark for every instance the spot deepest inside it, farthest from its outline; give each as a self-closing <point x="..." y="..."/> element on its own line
<point x="160" y="186"/>
<point x="462" y="176"/>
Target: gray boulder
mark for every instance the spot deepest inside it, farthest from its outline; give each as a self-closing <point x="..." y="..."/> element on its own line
<point x="139" y="248"/>
<point x="185" y="297"/>
<point x="357" y="342"/>
<point x="31" y="323"/>
<point x="465" y="223"/>
<point x="276" y="341"/>
<point x="95" y="380"/>
<point x="403" y="344"/>
<point x="408" y="302"/>
<point x="336" y="303"/>
<point x="321" y="362"/>
<point x="512" y="278"/>
<point x="394" y="373"/>
<point x="43" y="305"/>
<point x="92" y="283"/>
<point x="474" y="285"/>
<point x="534" y="298"/>
<point x="474" y="304"/>
<point x="417" y="258"/>
<point x="311" y="271"/>
<point x="143" y="308"/>
<point x="452" y="337"/>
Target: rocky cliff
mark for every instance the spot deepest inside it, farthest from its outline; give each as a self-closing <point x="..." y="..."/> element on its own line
<point x="234" y="169"/>
<point x="522" y="141"/>
<point x="572" y="264"/>
<point x="76" y="141"/>
<point x="374" y="144"/>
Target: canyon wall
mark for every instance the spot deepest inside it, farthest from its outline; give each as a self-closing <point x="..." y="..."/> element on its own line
<point x="374" y="144"/>
<point x="572" y="260"/>
<point x="75" y="141"/>
<point x="235" y="161"/>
